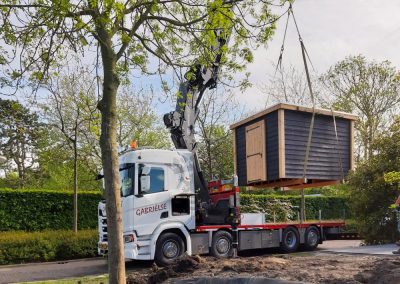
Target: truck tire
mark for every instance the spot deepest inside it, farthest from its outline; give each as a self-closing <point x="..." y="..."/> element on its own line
<point x="221" y="245"/>
<point x="290" y="240"/>
<point x="169" y="247"/>
<point x="311" y="238"/>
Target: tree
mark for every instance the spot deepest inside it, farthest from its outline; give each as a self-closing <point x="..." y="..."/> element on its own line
<point x="19" y="132"/>
<point x="370" y="89"/>
<point x="290" y="86"/>
<point x="370" y="195"/>
<point x="70" y="107"/>
<point x="127" y="34"/>
<point x="138" y="121"/>
<point x="217" y="112"/>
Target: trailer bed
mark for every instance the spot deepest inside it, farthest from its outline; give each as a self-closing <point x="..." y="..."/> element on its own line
<point x="274" y="226"/>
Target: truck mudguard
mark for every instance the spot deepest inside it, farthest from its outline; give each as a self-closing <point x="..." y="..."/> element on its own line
<point x="167" y="226"/>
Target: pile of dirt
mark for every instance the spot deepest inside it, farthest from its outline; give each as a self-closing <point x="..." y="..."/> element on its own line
<point x="301" y="267"/>
<point x="183" y="266"/>
<point x="383" y="271"/>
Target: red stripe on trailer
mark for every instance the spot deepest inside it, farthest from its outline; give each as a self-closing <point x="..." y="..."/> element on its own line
<point x="269" y="226"/>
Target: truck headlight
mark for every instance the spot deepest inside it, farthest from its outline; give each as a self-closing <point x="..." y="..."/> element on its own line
<point x="129" y="238"/>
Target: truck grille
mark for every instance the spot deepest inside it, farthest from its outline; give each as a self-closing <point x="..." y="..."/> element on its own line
<point x="102" y="223"/>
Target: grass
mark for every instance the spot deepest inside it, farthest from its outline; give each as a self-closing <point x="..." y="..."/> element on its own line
<point x="84" y="280"/>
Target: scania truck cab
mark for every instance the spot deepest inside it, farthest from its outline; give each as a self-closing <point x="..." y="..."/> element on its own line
<point x="157" y="189"/>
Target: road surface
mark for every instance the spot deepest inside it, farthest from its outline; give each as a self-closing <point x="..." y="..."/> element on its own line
<point x="97" y="266"/>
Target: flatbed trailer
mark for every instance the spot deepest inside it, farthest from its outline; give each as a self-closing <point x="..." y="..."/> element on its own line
<point x="274" y="226"/>
<point x="288" y="236"/>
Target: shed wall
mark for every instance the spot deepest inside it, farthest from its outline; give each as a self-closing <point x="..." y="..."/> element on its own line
<point x="271" y="144"/>
<point x="323" y="162"/>
<point x="271" y="121"/>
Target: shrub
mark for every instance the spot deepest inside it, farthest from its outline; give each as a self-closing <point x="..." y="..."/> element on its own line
<point x="371" y="195"/>
<point x="21" y="247"/>
<point x="286" y="207"/>
<point x="34" y="210"/>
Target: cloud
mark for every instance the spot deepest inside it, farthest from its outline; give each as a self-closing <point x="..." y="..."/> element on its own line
<point x="331" y="31"/>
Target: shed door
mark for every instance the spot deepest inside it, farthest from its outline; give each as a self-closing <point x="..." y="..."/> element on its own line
<point x="255" y="152"/>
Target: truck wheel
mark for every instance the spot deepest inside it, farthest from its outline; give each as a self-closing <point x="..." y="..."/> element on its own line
<point x="221" y="245"/>
<point x="290" y="240"/>
<point x="311" y="238"/>
<point x="169" y="247"/>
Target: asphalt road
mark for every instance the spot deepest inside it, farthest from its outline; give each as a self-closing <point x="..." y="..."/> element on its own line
<point x="52" y="270"/>
<point x="97" y="266"/>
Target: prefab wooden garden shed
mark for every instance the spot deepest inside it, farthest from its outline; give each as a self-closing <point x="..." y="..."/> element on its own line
<point x="270" y="147"/>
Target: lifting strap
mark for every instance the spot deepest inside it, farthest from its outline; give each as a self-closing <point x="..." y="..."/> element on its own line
<point x="305" y="56"/>
<point x="279" y="64"/>
<point x="337" y="144"/>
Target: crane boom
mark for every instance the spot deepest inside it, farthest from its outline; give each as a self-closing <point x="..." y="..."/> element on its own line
<point x="181" y="121"/>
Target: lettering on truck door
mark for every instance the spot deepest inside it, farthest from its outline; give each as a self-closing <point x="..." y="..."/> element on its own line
<point x="154" y="206"/>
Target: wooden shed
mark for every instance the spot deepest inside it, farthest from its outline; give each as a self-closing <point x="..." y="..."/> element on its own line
<point x="270" y="147"/>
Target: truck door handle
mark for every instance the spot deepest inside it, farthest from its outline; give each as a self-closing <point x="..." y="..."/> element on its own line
<point x="164" y="215"/>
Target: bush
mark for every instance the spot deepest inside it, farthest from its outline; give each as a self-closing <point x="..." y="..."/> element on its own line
<point x="286" y="207"/>
<point x="21" y="247"/>
<point x="33" y="210"/>
<point x="371" y="195"/>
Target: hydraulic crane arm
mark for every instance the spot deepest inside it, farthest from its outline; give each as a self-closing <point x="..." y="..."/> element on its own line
<point x="198" y="79"/>
<point x="181" y="121"/>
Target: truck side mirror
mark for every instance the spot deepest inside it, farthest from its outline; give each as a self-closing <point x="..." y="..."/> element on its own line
<point x="145" y="180"/>
<point x="145" y="183"/>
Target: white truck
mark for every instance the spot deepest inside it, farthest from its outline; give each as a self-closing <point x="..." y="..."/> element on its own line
<point x="160" y="220"/>
<point x="167" y="207"/>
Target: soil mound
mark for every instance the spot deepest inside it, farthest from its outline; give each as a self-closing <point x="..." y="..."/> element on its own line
<point x="184" y="265"/>
<point x="386" y="271"/>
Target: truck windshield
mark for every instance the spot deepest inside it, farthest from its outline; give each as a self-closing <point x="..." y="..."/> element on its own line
<point x="127" y="176"/>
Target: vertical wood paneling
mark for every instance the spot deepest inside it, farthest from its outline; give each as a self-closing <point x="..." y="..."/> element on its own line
<point x="271" y="124"/>
<point x="351" y="145"/>
<point x="281" y="139"/>
<point x="241" y="155"/>
<point x="325" y="152"/>
<point x="234" y="152"/>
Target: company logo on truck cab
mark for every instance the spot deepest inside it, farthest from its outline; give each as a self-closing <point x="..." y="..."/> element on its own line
<point x="151" y="209"/>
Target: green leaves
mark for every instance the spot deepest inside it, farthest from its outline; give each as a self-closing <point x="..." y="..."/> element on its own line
<point x="285" y="208"/>
<point x="22" y="247"/>
<point x="36" y="210"/>
<point x="374" y="188"/>
<point x="392" y="177"/>
<point x="369" y="89"/>
<point x="176" y="34"/>
<point x="19" y="131"/>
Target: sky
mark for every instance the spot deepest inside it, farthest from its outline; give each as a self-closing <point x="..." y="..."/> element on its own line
<point x="331" y="31"/>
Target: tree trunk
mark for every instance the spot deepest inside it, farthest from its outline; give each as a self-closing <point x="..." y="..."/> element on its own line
<point x="302" y="207"/>
<point x="109" y="153"/>
<point x="75" y="226"/>
<point x="209" y="157"/>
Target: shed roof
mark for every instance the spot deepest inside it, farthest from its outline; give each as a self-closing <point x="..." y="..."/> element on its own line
<point x="321" y="111"/>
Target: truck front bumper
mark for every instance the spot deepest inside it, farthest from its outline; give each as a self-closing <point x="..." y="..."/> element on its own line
<point x="134" y="251"/>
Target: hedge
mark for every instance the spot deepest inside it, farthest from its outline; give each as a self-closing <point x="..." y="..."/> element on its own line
<point x="34" y="210"/>
<point x="286" y="207"/>
<point x="21" y="247"/>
